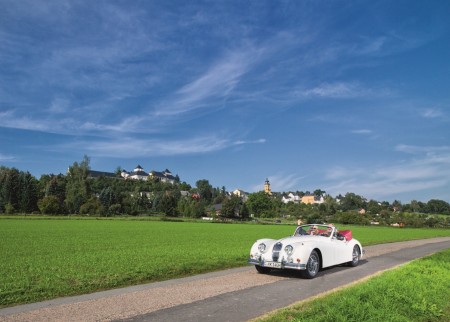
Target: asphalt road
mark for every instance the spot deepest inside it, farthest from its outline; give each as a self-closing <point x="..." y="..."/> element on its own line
<point x="233" y="295"/>
<point x="253" y="302"/>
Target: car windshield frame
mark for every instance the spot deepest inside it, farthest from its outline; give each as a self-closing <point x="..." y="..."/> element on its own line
<point x="315" y="230"/>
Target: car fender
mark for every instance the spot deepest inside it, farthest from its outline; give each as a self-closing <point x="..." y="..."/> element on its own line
<point x="269" y="242"/>
<point x="302" y="251"/>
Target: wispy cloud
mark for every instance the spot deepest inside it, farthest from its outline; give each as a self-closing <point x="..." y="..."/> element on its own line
<point x="132" y="147"/>
<point x="414" y="149"/>
<point x="362" y="131"/>
<point x="428" y="170"/>
<point x="157" y="147"/>
<point x="241" y="142"/>
<point x="432" y="113"/>
<point x="281" y="182"/>
<point x="6" y="157"/>
<point x="342" y="90"/>
<point x="215" y="84"/>
<point x="371" y="45"/>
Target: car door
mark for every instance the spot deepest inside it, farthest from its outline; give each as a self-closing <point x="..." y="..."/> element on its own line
<point x="341" y="251"/>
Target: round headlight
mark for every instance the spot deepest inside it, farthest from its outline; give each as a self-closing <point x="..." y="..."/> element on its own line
<point x="289" y="249"/>
<point x="262" y="247"/>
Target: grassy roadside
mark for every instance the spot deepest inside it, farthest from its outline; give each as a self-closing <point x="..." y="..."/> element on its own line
<point x="44" y="259"/>
<point x="417" y="291"/>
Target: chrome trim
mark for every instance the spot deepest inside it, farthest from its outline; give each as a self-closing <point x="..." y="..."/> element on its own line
<point x="277" y="247"/>
<point x="284" y="265"/>
<point x="252" y="261"/>
<point x="276" y="251"/>
<point x="294" y="266"/>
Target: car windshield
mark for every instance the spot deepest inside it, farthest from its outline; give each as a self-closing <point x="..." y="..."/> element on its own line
<point x="324" y="230"/>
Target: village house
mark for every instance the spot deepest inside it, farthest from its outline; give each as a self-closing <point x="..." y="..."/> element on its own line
<point x="312" y="199"/>
<point x="291" y="198"/>
<point x="241" y="194"/>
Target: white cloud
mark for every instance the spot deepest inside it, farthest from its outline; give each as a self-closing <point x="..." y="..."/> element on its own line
<point x="6" y="157"/>
<point x="138" y="147"/>
<point x="362" y="131"/>
<point x="281" y="182"/>
<point x="241" y="142"/>
<point x="59" y="105"/>
<point x="371" y="46"/>
<point x="432" y="113"/>
<point x="215" y="84"/>
<point x="342" y="90"/>
<point x="156" y="147"/>
<point x="429" y="169"/>
<point x="413" y="149"/>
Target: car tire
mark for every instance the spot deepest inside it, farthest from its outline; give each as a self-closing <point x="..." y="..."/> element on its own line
<point x="262" y="270"/>
<point x="356" y="256"/>
<point x="312" y="266"/>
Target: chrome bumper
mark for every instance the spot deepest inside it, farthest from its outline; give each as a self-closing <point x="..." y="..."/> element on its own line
<point x="284" y="264"/>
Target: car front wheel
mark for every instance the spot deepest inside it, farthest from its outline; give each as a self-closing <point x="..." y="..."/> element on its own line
<point x="313" y="265"/>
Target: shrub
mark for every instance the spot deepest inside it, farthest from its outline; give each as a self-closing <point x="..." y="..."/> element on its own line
<point x="49" y="205"/>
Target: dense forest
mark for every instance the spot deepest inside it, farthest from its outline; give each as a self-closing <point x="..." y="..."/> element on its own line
<point x="76" y="192"/>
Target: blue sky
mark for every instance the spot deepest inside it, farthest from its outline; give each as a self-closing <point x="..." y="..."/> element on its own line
<point x="345" y="96"/>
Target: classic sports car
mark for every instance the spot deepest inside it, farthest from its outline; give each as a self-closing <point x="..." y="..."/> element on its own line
<point x="311" y="248"/>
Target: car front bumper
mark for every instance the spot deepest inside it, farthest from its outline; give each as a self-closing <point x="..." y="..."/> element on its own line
<point x="276" y="265"/>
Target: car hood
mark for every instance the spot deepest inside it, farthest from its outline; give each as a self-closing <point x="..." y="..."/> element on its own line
<point x="300" y="239"/>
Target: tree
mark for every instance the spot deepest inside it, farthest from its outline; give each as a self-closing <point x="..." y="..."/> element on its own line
<point x="260" y="204"/>
<point x="168" y="205"/>
<point x="373" y="207"/>
<point x="77" y="189"/>
<point x="438" y="207"/>
<point x="415" y="206"/>
<point x="92" y="206"/>
<point x="319" y="192"/>
<point x="49" y="205"/>
<point x="55" y="186"/>
<point x="204" y="189"/>
<point x="19" y="191"/>
<point x="184" y="186"/>
<point x="331" y="205"/>
<point x="231" y="206"/>
<point x="244" y="212"/>
<point x="107" y="197"/>
<point x="397" y="205"/>
<point x="9" y="190"/>
<point x="198" y="209"/>
<point x="352" y="201"/>
<point x="29" y="190"/>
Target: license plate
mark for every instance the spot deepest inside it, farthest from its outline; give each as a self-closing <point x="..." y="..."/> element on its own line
<point x="272" y="264"/>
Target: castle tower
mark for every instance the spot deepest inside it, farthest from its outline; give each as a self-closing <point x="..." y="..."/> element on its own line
<point x="267" y="187"/>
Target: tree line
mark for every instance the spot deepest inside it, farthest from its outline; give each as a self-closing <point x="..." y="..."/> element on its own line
<point x="77" y="193"/>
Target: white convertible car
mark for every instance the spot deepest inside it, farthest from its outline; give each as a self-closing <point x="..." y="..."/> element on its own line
<point x="311" y="248"/>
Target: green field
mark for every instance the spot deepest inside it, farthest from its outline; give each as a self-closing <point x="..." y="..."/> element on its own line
<point x="417" y="291"/>
<point x="43" y="259"/>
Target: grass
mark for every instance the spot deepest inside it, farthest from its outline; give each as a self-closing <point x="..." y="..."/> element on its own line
<point x="44" y="259"/>
<point x="372" y="235"/>
<point x="417" y="291"/>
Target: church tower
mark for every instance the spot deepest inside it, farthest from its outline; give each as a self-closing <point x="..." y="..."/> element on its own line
<point x="267" y="187"/>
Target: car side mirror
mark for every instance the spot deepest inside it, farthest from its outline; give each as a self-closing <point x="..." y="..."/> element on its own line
<point x="340" y="237"/>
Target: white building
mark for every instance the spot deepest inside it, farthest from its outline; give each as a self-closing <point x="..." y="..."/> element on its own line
<point x="291" y="198"/>
<point x="137" y="174"/>
<point x="241" y="194"/>
<point x="164" y="176"/>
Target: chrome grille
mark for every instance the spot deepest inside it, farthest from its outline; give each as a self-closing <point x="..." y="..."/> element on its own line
<point x="276" y="251"/>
